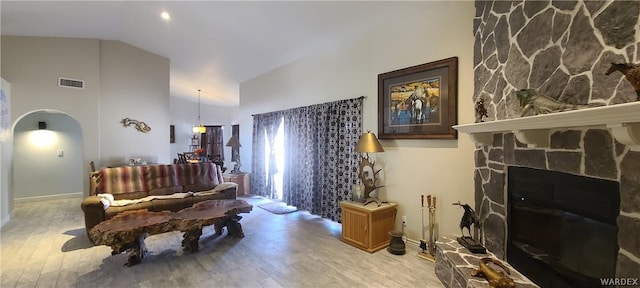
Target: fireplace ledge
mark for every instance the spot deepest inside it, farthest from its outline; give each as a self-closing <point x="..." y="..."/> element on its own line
<point x="622" y="119"/>
<point x="454" y="265"/>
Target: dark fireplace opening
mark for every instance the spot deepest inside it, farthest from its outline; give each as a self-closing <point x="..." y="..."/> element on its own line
<point x="562" y="229"/>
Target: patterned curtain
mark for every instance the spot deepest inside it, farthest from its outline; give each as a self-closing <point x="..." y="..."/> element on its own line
<point x="321" y="164"/>
<point x="264" y="127"/>
<point x="212" y="142"/>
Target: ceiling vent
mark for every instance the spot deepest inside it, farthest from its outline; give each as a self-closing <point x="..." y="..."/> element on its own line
<point x="70" y="83"/>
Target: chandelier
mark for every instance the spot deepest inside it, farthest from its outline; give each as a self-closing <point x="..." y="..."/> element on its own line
<point x="198" y="127"/>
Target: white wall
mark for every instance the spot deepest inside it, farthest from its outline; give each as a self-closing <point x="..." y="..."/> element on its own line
<point x="38" y="170"/>
<point x="184" y="114"/>
<point x="120" y="81"/>
<point x="6" y="154"/>
<point x="33" y="64"/>
<point x="133" y="84"/>
<point x="412" y="167"/>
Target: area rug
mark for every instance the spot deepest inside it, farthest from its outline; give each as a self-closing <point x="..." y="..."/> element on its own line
<point x="278" y="207"/>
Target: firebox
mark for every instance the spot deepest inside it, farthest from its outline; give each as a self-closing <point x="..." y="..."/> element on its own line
<point x="562" y="229"/>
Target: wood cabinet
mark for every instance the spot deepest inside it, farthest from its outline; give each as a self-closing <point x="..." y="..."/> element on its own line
<point x="242" y="179"/>
<point x="367" y="227"/>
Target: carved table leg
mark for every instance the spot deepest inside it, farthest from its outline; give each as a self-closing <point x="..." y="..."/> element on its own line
<point x="218" y="227"/>
<point x="191" y="238"/>
<point x="135" y="251"/>
<point x="235" y="229"/>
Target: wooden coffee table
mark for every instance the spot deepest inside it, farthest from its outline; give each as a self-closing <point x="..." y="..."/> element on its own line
<point x="220" y="213"/>
<point x="127" y="231"/>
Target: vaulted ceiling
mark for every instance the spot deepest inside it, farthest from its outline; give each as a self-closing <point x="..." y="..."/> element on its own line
<point x="212" y="45"/>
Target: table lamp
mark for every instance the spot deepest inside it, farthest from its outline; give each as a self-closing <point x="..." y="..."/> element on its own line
<point x="235" y="145"/>
<point x="368" y="143"/>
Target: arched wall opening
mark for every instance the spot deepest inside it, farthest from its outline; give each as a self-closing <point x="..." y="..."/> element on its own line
<point x="47" y="158"/>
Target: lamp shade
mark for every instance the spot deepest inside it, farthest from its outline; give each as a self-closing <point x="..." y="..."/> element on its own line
<point x="368" y="143"/>
<point x="198" y="129"/>
<point x="233" y="142"/>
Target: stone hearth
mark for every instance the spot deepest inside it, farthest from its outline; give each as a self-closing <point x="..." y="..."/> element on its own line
<point x="455" y="265"/>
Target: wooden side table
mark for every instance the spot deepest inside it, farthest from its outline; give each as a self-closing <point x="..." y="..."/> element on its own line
<point x="242" y="179"/>
<point x="367" y="227"/>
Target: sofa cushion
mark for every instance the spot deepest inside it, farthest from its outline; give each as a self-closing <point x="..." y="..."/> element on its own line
<point x="196" y="173"/>
<point x="205" y="197"/>
<point x="115" y="210"/>
<point x="132" y="195"/>
<point x="198" y="187"/>
<point x="170" y="204"/>
<point x="161" y="180"/>
<point x="162" y="191"/>
<point x="123" y="180"/>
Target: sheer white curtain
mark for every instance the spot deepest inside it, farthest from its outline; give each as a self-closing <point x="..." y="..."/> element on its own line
<point x="264" y="128"/>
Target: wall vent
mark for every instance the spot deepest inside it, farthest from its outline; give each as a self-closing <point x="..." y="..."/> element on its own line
<point x="70" y="83"/>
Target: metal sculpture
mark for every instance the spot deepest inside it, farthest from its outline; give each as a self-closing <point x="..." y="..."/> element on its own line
<point x="481" y="111"/>
<point x="470" y="218"/>
<point x="369" y="182"/>
<point x="495" y="278"/>
<point x="140" y="126"/>
<point x="530" y="99"/>
<point x="631" y="73"/>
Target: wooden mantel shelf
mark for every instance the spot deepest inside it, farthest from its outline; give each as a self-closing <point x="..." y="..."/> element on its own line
<point x="622" y="119"/>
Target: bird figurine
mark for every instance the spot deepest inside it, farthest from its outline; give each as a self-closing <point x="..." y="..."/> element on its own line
<point x="481" y="111"/>
<point x="469" y="217"/>
<point x="631" y="72"/>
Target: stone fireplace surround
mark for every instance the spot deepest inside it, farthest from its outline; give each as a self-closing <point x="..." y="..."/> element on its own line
<point x="576" y="145"/>
<point x="561" y="49"/>
<point x="586" y="152"/>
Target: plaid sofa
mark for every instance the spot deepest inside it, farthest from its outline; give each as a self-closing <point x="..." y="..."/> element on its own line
<point x="152" y="187"/>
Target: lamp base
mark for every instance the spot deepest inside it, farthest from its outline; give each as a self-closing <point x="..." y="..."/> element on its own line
<point x="373" y="199"/>
<point x="236" y="168"/>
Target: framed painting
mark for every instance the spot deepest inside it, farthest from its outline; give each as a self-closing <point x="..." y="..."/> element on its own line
<point x="172" y="134"/>
<point x="419" y="102"/>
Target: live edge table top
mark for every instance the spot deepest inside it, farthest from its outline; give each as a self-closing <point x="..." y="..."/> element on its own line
<point x="127" y="230"/>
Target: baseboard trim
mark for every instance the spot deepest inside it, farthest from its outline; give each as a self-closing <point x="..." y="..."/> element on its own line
<point x="5" y="220"/>
<point x="414" y="242"/>
<point x="47" y="197"/>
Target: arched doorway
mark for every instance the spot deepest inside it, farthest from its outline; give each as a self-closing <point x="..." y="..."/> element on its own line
<point x="47" y="156"/>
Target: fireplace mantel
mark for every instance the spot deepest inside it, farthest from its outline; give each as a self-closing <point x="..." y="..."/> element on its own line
<point x="622" y="119"/>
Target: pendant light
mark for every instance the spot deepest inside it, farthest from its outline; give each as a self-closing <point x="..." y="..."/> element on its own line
<point x="198" y="127"/>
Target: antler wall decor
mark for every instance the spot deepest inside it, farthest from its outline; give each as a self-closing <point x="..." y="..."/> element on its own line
<point x="140" y="126"/>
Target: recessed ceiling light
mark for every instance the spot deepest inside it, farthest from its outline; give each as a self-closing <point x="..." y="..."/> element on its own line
<point x="165" y="15"/>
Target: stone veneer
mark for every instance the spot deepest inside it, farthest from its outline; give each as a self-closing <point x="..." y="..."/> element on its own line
<point x="455" y="265"/>
<point x="562" y="49"/>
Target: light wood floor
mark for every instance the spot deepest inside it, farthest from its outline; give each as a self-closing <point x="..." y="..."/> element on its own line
<point x="45" y="245"/>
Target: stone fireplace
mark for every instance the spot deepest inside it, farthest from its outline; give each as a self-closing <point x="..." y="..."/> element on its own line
<point x="562" y="228"/>
<point x="586" y="152"/>
<point x="561" y="49"/>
